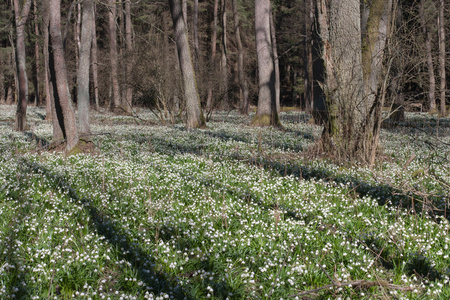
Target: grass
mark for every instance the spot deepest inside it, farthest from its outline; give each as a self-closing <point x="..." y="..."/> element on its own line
<point x="230" y="211"/>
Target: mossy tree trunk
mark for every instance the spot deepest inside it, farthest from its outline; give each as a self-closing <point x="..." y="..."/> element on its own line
<point x="352" y="76"/>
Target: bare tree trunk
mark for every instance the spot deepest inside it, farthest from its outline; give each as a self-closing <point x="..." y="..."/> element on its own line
<point x="213" y="54"/>
<point x="276" y="62"/>
<point x="195" y="117"/>
<point x="340" y="32"/>
<point x="373" y="53"/>
<point x="83" y="68"/>
<point x="442" y="56"/>
<point x="224" y="60"/>
<point x="242" y="81"/>
<point x="309" y="82"/>
<point x="47" y="85"/>
<point x="195" y="29"/>
<point x="431" y="77"/>
<point x="129" y="58"/>
<point x="37" y="68"/>
<point x="21" y="16"/>
<point x="113" y="55"/>
<point x="77" y="32"/>
<point x="94" y="61"/>
<point x="185" y="17"/>
<point x="63" y="103"/>
<point x="266" y="113"/>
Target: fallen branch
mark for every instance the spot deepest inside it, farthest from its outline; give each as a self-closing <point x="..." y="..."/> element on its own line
<point x="358" y="284"/>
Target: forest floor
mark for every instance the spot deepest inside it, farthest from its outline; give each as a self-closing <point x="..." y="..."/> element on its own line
<point x="226" y="212"/>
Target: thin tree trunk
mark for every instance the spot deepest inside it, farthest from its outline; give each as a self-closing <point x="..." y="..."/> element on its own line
<point x="442" y="56"/>
<point x="63" y="103"/>
<point x="309" y="82"/>
<point x="37" y="68"/>
<point x="185" y="17"/>
<point x="47" y="85"/>
<point x="77" y="32"/>
<point x="276" y="62"/>
<point x="94" y="61"/>
<point x="195" y="30"/>
<point x="195" y="117"/>
<point x="242" y="81"/>
<point x="83" y="100"/>
<point x="224" y="60"/>
<point x="113" y="55"/>
<point x="213" y="54"/>
<point x="266" y="113"/>
<point x="129" y="58"/>
<point x="21" y="16"/>
<point x="429" y="55"/>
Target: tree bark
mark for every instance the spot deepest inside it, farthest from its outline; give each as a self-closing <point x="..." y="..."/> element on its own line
<point x="213" y="55"/>
<point x="242" y="81"/>
<point x="442" y="58"/>
<point x="309" y="78"/>
<point x="83" y="100"/>
<point x="47" y="84"/>
<point x="129" y="58"/>
<point x="37" y="68"/>
<point x="94" y="61"/>
<point x="195" y="30"/>
<point x="429" y="55"/>
<point x="21" y="16"/>
<point x="276" y="62"/>
<point x="224" y="59"/>
<point x="113" y="55"/>
<point x="63" y="103"/>
<point x="195" y="117"/>
<point x="266" y="113"/>
<point x="340" y="31"/>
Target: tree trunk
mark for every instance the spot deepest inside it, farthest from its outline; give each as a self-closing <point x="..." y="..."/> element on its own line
<point x="37" y="68"/>
<point x="195" y="117"/>
<point x="129" y="58"/>
<point x="113" y="55"/>
<point x="63" y="103"/>
<point x="83" y="100"/>
<point x="276" y="62"/>
<point x="242" y="81"/>
<point x="442" y="56"/>
<point x="185" y="17"/>
<point x="340" y="32"/>
<point x="224" y="60"/>
<point x="309" y="41"/>
<point x="47" y="84"/>
<point x="353" y="74"/>
<point x="195" y="30"/>
<point x="376" y="32"/>
<point x="429" y="55"/>
<point x="209" y="103"/>
<point x="266" y="113"/>
<point x="21" y="16"/>
<point x="94" y="61"/>
<point x="77" y="32"/>
<point x="374" y="45"/>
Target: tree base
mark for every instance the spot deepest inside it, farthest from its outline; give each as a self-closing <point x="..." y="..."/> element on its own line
<point x="266" y="120"/>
